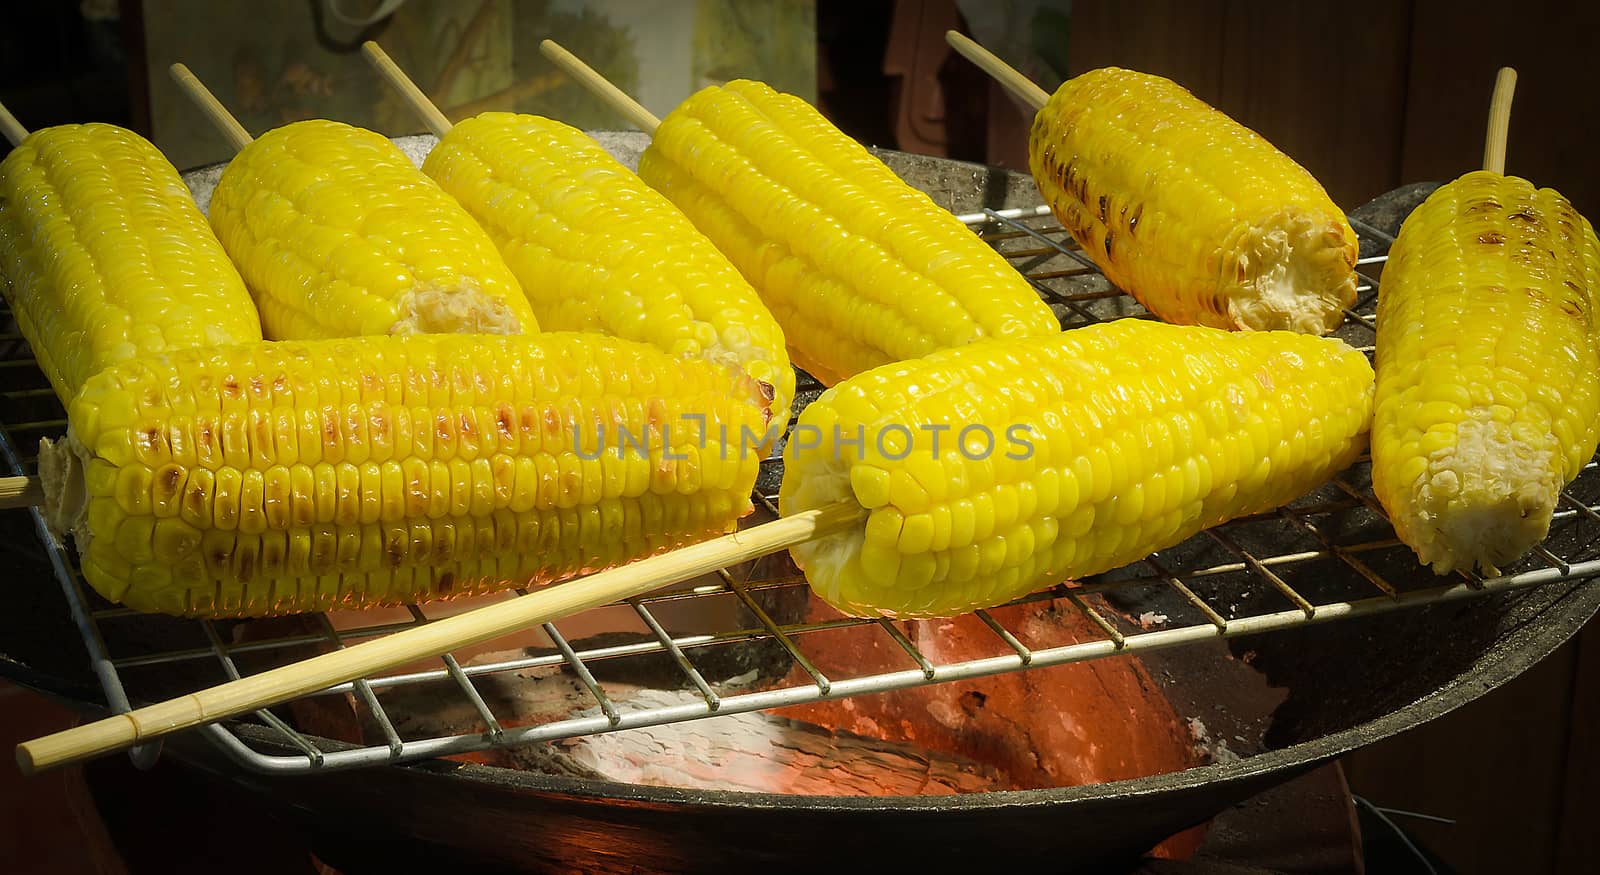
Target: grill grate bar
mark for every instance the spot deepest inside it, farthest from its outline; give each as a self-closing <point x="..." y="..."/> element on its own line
<point x="1072" y="304"/>
<point x="1098" y="619"/>
<point x="585" y="676"/>
<point x="1550" y="559"/>
<point x="1377" y="233"/>
<point x="363" y="690"/>
<point x="765" y="619"/>
<point x="312" y="752"/>
<point x="463" y="683"/>
<point x="1019" y="212"/>
<point x="1593" y="513"/>
<point x="671" y="644"/>
<point x="1005" y="635"/>
<point x="1360" y="567"/>
<point x="906" y="645"/>
<point x="19" y="394"/>
<point x="1263" y="572"/>
<point x="959" y="671"/>
<point x="1055" y="245"/>
<point x="1188" y="594"/>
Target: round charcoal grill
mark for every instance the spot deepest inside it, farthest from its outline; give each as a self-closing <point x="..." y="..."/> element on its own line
<point x="1270" y="645"/>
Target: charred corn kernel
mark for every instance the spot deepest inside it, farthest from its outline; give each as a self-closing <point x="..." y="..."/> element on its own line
<point x="1063" y="505"/>
<point x="859" y="268"/>
<point x="105" y="257"/>
<point x="1197" y="216"/>
<point x="217" y="536"/>
<point x="338" y="234"/>
<point x="1488" y="370"/>
<point x="595" y="249"/>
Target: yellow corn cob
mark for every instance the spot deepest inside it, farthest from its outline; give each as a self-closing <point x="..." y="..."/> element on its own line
<point x="595" y="249"/>
<point x="104" y="256"/>
<point x="294" y="476"/>
<point x="337" y="234"/>
<point x="859" y="268"/>
<point x="1189" y="211"/>
<point x="997" y="469"/>
<point x="1488" y="373"/>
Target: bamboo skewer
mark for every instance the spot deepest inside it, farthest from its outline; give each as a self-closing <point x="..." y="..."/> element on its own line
<point x="278" y="685"/>
<point x="1019" y="85"/>
<point x="600" y="86"/>
<point x="213" y="109"/>
<point x="13" y="130"/>
<point x="1494" y="143"/>
<point x="18" y="492"/>
<point x="432" y="117"/>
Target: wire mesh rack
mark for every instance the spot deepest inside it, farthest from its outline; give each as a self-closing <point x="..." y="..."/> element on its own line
<point x="1329" y="556"/>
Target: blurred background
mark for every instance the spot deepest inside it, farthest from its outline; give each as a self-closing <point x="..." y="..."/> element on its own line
<point x="1367" y="94"/>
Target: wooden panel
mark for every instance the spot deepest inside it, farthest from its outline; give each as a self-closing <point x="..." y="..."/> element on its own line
<point x="1456" y="48"/>
<point x="1577" y="839"/>
<point x="1182" y="41"/>
<point x="1496" y="766"/>
<point x="1324" y="82"/>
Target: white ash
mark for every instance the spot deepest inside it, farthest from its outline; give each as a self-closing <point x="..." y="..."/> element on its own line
<point x="760" y="753"/>
<point x="1216" y="749"/>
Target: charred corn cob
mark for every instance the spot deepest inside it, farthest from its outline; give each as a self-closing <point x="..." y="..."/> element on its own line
<point x="338" y="234"/>
<point x="859" y="268"/>
<point x="1000" y="468"/>
<point x="1195" y="215"/>
<point x="1488" y="373"/>
<point x="252" y="480"/>
<point x="104" y="255"/>
<point x="595" y="249"/>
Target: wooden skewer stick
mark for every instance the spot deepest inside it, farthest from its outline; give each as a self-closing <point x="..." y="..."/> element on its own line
<point x="20" y="492"/>
<point x="213" y="109"/>
<point x="1494" y="144"/>
<point x="13" y="130"/>
<point x="1016" y="83"/>
<point x="435" y="120"/>
<point x="259" y="691"/>
<point x="600" y="87"/>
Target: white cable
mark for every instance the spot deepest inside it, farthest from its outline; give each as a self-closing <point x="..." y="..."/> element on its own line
<point x="385" y="9"/>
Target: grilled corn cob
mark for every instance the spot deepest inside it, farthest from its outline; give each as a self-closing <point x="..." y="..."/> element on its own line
<point x="1195" y="215"/>
<point x="996" y="469"/>
<point x="859" y="268"/>
<point x="1488" y="373"/>
<point x="338" y="234"/>
<point x="595" y="249"/>
<point x="252" y="480"/>
<point x="104" y="256"/>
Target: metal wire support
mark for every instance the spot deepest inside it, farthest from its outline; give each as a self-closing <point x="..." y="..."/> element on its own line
<point x="1327" y="558"/>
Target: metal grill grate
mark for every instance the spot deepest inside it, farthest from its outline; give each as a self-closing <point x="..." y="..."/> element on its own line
<point x="1326" y="557"/>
